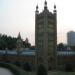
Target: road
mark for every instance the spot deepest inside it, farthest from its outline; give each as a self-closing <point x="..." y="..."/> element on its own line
<point x="4" y="71"/>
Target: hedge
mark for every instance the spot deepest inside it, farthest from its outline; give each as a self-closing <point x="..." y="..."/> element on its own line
<point x="8" y="66"/>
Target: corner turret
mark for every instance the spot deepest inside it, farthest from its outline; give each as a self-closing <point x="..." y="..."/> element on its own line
<point x="37" y="12"/>
<point x="54" y="9"/>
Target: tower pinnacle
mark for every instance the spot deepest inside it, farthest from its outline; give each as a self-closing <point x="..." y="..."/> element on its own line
<point x="54" y="8"/>
<point x="19" y="36"/>
<point x="37" y="9"/>
<point x="45" y="4"/>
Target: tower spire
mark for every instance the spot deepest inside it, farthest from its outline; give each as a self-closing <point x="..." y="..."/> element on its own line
<point x="37" y="7"/>
<point x="45" y="4"/>
<point x="54" y="8"/>
<point x="37" y="11"/>
<point x="19" y="36"/>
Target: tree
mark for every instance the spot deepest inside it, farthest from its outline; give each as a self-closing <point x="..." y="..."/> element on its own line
<point x="72" y="48"/>
<point x="17" y="64"/>
<point x="32" y="48"/>
<point x="69" y="68"/>
<point x="7" y="42"/>
<point x="61" y="47"/>
<point x="41" y="70"/>
<point x="27" y="67"/>
<point x="26" y="43"/>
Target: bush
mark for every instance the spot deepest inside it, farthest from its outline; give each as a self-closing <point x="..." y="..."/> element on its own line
<point x="7" y="66"/>
<point x="27" y="67"/>
<point x="69" y="68"/>
<point x="41" y="70"/>
<point x="17" y="64"/>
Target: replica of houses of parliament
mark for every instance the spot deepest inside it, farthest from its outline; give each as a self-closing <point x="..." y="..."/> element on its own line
<point x="45" y="51"/>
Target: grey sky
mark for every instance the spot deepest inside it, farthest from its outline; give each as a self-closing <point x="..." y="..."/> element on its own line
<point x="19" y="16"/>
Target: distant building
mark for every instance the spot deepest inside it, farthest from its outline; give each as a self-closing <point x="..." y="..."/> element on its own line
<point x="65" y="57"/>
<point x="26" y="43"/>
<point x="71" y="38"/>
<point x="28" y="55"/>
<point x="19" y="42"/>
<point x="46" y="36"/>
<point x="22" y="44"/>
<point x="22" y="57"/>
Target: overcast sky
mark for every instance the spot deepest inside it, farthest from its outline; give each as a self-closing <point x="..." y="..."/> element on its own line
<point x="19" y="16"/>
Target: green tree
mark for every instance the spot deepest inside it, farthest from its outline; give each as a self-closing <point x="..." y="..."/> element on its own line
<point x="7" y="42"/>
<point x="61" y="47"/>
<point x="69" y="68"/>
<point x="41" y="70"/>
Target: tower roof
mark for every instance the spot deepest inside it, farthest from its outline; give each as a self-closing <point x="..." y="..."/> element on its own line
<point x="54" y="6"/>
<point x="37" y="7"/>
<point x="19" y="36"/>
<point x="45" y="2"/>
<point x="26" y="40"/>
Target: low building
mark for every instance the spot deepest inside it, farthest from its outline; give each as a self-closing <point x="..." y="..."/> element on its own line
<point x="22" y="57"/>
<point x="64" y="57"/>
<point x="28" y="55"/>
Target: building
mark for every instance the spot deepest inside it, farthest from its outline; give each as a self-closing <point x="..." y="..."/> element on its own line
<point x="19" y="42"/>
<point x="65" y="56"/>
<point x="28" y="55"/>
<point x="46" y="36"/>
<point x="22" y="57"/>
<point x="71" y="38"/>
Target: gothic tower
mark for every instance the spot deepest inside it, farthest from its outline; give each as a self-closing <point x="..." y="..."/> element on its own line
<point x="46" y="36"/>
<point x="19" y="43"/>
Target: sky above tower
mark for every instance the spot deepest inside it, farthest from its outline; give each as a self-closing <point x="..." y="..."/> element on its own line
<point x="19" y="16"/>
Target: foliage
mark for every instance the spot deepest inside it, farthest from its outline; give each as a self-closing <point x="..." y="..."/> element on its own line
<point x="72" y="47"/>
<point x="17" y="64"/>
<point x="32" y="47"/>
<point x="61" y="47"/>
<point x="5" y="65"/>
<point x="26" y="45"/>
<point x="27" y="67"/>
<point x="60" y="73"/>
<point x="69" y="68"/>
<point x="8" y="42"/>
<point x="41" y="70"/>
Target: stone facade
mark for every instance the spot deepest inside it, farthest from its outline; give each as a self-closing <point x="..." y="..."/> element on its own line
<point x="46" y="36"/>
<point x="24" y="56"/>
